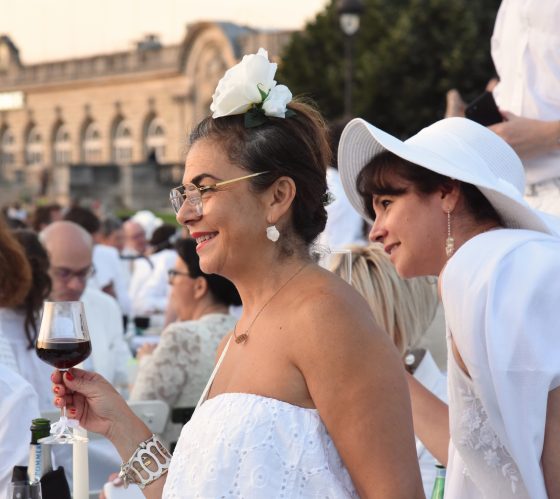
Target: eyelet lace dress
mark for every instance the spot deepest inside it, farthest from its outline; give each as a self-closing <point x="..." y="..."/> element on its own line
<point x="249" y="446"/>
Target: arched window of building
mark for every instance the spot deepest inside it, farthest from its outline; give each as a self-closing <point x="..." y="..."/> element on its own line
<point x="91" y="147"/>
<point x="33" y="147"/>
<point x="62" y="146"/>
<point x="155" y="140"/>
<point x="7" y="150"/>
<point x="122" y="143"/>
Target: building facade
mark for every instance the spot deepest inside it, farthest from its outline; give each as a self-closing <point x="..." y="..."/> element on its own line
<point x="112" y="127"/>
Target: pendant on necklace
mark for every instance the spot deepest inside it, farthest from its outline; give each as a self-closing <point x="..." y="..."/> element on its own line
<point x="242" y="338"/>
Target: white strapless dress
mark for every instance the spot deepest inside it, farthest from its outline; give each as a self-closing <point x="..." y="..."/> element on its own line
<point x="250" y="446"/>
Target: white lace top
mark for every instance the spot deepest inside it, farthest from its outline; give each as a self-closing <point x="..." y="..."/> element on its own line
<point x="179" y="367"/>
<point x="501" y="293"/>
<point x="249" y="446"/>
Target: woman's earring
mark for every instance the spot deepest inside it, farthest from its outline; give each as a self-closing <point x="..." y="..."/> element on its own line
<point x="272" y="233"/>
<point x="449" y="242"/>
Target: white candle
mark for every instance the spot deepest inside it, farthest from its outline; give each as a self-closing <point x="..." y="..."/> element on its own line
<point x="80" y="465"/>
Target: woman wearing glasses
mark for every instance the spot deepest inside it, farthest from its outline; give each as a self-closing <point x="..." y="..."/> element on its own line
<point x="308" y="398"/>
<point x="177" y="370"/>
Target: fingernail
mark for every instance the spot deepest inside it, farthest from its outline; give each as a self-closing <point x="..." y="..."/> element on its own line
<point x="69" y="376"/>
<point x="72" y="411"/>
<point x="56" y="389"/>
<point x="58" y="401"/>
<point x="52" y="376"/>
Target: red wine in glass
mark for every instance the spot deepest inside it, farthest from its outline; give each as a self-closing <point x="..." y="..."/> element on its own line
<point x="63" y="353"/>
<point x="63" y="342"/>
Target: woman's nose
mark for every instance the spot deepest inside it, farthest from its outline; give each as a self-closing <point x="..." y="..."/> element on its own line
<point x="188" y="213"/>
<point x="377" y="233"/>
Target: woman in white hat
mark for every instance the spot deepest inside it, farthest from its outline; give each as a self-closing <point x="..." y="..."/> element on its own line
<point x="447" y="202"/>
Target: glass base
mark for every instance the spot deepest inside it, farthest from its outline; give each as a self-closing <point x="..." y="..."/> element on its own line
<point x="61" y="433"/>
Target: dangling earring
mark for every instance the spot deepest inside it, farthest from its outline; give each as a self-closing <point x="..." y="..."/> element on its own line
<point x="449" y="242"/>
<point x="272" y="233"/>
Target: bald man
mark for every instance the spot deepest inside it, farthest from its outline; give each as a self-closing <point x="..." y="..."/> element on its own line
<point x="70" y="249"/>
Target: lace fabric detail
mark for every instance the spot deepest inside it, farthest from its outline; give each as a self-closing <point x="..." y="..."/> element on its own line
<point x="477" y="435"/>
<point x="244" y="445"/>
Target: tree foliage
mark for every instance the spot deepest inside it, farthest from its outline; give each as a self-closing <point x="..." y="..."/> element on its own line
<point x="406" y="55"/>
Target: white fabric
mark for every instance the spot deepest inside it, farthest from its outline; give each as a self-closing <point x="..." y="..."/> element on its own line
<point x="501" y="310"/>
<point x="545" y="196"/>
<point x="344" y="224"/>
<point x="153" y="294"/>
<point x="7" y="357"/>
<point x="179" y="367"/>
<point x="110" y="354"/>
<point x="434" y="380"/>
<point x="244" y="445"/>
<point x="109" y="270"/>
<point x="29" y="365"/>
<point x="525" y="48"/>
<point x="18" y="407"/>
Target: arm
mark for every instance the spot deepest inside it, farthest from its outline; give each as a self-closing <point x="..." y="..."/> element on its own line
<point x="431" y="419"/>
<point x="99" y="408"/>
<point x="356" y="381"/>
<point x="551" y="449"/>
<point x="527" y="136"/>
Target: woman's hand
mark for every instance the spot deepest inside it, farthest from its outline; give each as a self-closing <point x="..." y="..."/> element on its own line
<point x="528" y="137"/>
<point x="93" y="401"/>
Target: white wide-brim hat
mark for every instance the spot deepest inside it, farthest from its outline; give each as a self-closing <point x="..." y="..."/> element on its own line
<point x="458" y="148"/>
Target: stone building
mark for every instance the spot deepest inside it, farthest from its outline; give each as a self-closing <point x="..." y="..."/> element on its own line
<point x="112" y="127"/>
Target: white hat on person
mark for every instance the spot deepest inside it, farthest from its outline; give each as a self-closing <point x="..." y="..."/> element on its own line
<point x="458" y="148"/>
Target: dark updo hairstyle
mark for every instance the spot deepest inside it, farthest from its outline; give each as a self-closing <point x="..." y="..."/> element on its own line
<point x="40" y="282"/>
<point x="84" y="217"/>
<point x="295" y="147"/>
<point x="222" y="289"/>
<point x="163" y="237"/>
<point x="378" y="177"/>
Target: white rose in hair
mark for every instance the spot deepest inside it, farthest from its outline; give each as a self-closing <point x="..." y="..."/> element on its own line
<point x="246" y="85"/>
<point x="238" y="90"/>
<point x="275" y="103"/>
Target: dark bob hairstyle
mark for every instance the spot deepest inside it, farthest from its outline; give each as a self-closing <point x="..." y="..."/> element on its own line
<point x="222" y="289"/>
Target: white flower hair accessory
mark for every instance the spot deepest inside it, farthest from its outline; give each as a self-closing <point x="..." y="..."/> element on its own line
<point x="249" y="88"/>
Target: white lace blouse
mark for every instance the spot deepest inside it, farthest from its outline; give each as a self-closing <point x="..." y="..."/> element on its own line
<point x="249" y="446"/>
<point x="179" y="367"/>
<point x="501" y="293"/>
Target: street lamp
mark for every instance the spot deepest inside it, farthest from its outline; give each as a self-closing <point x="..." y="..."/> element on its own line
<point x="349" y="12"/>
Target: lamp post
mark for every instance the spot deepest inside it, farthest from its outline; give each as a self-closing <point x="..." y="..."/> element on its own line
<point x="349" y="12"/>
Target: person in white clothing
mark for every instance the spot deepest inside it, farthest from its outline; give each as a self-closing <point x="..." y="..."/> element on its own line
<point x="404" y="308"/>
<point x="447" y="202"/>
<point x="309" y="398"/>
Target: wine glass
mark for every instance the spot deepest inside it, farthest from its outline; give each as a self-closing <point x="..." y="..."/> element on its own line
<point x="24" y="490"/>
<point x="340" y="260"/>
<point x="63" y="342"/>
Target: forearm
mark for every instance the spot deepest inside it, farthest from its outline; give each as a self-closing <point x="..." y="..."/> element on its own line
<point x="430" y="418"/>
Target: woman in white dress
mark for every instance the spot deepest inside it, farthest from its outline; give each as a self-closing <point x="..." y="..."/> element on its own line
<point x="448" y="202"/>
<point x="309" y="398"/>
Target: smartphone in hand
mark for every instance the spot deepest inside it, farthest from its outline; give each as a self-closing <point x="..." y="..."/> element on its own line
<point x="484" y="110"/>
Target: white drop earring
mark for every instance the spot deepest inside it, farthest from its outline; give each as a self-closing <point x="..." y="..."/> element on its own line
<point x="272" y="233"/>
<point x="449" y="242"/>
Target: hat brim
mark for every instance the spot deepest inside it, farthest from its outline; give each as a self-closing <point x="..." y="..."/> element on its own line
<point x="360" y="142"/>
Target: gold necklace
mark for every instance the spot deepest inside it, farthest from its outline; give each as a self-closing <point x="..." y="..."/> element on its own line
<point x="244" y="336"/>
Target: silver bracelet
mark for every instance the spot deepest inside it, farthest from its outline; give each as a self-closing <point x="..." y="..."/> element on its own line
<point x="149" y="461"/>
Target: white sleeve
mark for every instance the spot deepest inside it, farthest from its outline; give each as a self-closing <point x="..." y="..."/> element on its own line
<point x="18" y="406"/>
<point x="504" y="321"/>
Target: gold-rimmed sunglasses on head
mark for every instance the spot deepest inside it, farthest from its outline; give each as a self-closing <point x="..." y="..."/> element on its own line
<point x="193" y="193"/>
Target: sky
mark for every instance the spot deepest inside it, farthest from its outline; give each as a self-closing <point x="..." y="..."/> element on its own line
<point x="46" y="30"/>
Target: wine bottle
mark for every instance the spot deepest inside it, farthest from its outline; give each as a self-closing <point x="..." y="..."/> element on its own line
<point x="439" y="483"/>
<point x="40" y="461"/>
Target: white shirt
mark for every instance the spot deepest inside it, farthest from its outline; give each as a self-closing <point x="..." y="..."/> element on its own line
<point x="344" y="224"/>
<point x="526" y="54"/>
<point x="109" y="269"/>
<point x="153" y="295"/>
<point x="110" y="354"/>
<point x="502" y="312"/>
<point x="18" y="407"/>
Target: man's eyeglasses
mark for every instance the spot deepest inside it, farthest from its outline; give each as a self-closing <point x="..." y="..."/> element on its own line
<point x="193" y="193"/>
<point x="171" y="273"/>
<point x="66" y="275"/>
